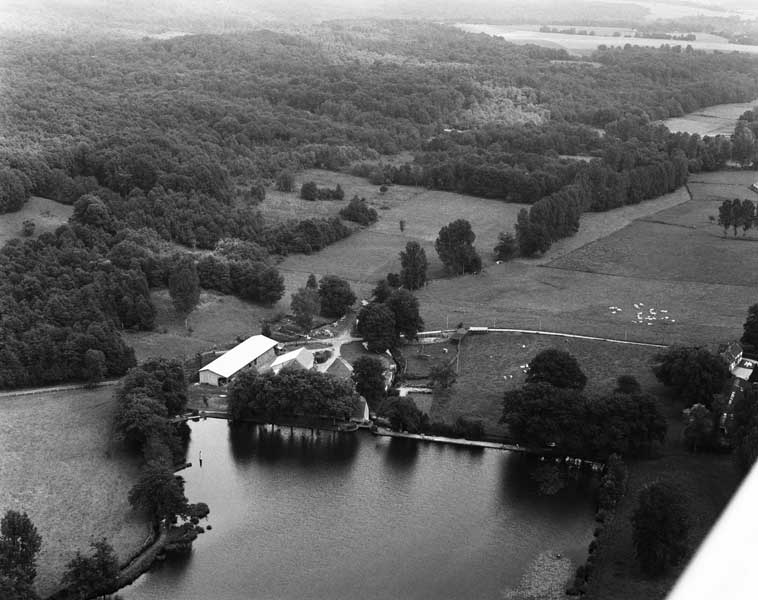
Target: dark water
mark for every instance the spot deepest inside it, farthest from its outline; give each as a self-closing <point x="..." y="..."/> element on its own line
<point x="358" y="516"/>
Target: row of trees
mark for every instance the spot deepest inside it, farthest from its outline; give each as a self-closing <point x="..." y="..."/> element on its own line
<point x="551" y="410"/>
<point x="292" y="393"/>
<point x="310" y="191"/>
<point x="737" y="214"/>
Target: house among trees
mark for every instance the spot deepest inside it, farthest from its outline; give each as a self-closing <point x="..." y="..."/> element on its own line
<point x="258" y="351"/>
<point x="731" y="354"/>
<point x="302" y="358"/>
<point x="340" y="368"/>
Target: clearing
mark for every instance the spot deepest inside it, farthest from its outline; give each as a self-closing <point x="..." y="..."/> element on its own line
<point x="46" y="214"/>
<point x="711" y="120"/>
<point x="493" y="363"/>
<point x="57" y="465"/>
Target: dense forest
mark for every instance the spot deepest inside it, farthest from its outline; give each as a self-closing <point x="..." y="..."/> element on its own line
<point x="173" y="141"/>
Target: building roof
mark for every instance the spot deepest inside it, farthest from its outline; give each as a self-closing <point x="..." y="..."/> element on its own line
<point x="240" y="356"/>
<point x="340" y="368"/>
<point x="744" y="369"/>
<point x="301" y="356"/>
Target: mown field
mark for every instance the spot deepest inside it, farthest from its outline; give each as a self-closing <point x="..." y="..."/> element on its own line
<point x="711" y="120"/>
<point x="491" y="364"/>
<point x="46" y="214"/>
<point x="217" y="321"/>
<point x="57" y="464"/>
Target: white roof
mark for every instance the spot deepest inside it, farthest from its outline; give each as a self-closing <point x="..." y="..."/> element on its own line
<point x="301" y="355"/>
<point x="240" y="356"/>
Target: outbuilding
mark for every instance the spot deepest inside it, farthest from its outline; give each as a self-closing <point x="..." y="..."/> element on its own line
<point x="258" y="351"/>
<point x="302" y="358"/>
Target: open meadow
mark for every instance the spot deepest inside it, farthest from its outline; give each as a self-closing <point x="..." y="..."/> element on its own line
<point x="216" y="322"/>
<point x="46" y="214"/>
<point x="711" y="120"/>
<point x="491" y="364"/>
<point x="58" y="465"/>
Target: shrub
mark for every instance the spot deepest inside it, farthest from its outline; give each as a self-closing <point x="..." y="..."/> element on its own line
<point x="359" y="212"/>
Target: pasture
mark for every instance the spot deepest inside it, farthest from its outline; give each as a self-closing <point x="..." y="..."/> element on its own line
<point x="46" y="214"/>
<point x="58" y="465"/>
<point x="217" y="321"/>
<point x="711" y="120"/>
<point x="493" y="363"/>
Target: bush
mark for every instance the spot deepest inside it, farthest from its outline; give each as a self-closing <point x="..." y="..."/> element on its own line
<point x="359" y="212"/>
<point x="27" y="228"/>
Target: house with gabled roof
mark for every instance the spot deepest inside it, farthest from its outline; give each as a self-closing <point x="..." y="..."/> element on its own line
<point x="258" y="351"/>
<point x="302" y="358"/>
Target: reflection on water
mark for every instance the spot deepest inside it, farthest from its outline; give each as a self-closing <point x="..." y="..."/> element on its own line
<point x="299" y="515"/>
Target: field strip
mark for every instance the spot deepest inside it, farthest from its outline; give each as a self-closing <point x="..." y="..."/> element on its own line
<point x="60" y="388"/>
<point x="645" y="277"/>
<point x="594" y="226"/>
<point x="553" y="333"/>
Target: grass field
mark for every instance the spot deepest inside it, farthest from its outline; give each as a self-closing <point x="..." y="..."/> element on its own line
<point x="217" y="321"/>
<point x="707" y="480"/>
<point x="55" y="466"/>
<point x="46" y="214"/>
<point x="711" y="120"/>
<point x="491" y="364"/>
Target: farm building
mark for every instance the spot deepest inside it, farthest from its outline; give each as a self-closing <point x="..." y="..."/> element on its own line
<point x="258" y="351"/>
<point x="340" y="368"/>
<point x="302" y="358"/>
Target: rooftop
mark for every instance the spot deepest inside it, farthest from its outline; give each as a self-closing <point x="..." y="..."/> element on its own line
<point x="240" y="356"/>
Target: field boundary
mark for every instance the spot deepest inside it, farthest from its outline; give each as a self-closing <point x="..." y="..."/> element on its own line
<point x="483" y="330"/>
<point x="59" y="388"/>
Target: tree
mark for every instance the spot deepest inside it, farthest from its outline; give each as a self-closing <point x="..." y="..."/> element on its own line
<point x="184" y="284"/>
<point x="660" y="527"/>
<point x="404" y="305"/>
<point x="376" y="325"/>
<point x="86" y="576"/>
<point x="368" y="375"/>
<point x="442" y="375"/>
<point x="358" y="211"/>
<point x="455" y="248"/>
<point x="699" y="426"/>
<point x="309" y="191"/>
<point x="694" y="373"/>
<point x="305" y="305"/>
<point x="750" y="328"/>
<point x="507" y="246"/>
<point x="159" y="492"/>
<point x="747" y="215"/>
<point x="558" y="368"/>
<point x="743" y="144"/>
<point x="27" y="228"/>
<point x="404" y="415"/>
<point x="382" y="291"/>
<point x="285" y="181"/>
<point x="335" y="295"/>
<point x="94" y="369"/>
<point x="531" y="237"/>
<point x="311" y="284"/>
<point x="19" y="545"/>
<point x="726" y="218"/>
<point x="414" y="266"/>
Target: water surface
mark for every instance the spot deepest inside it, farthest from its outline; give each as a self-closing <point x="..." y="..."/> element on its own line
<point x="347" y="516"/>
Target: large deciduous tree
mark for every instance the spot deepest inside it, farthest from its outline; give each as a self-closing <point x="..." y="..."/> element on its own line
<point x="305" y="305"/>
<point x="660" y="526"/>
<point x="184" y="284"/>
<point x="368" y="375"/>
<point x="86" y="576"/>
<point x="558" y="368"/>
<point x="694" y="373"/>
<point x="404" y="305"/>
<point x="159" y="492"/>
<point x="335" y="295"/>
<point x="19" y="545"/>
<point x="455" y="247"/>
<point x="376" y="324"/>
<point x="414" y="265"/>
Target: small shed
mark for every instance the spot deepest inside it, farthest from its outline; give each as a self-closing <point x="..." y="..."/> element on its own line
<point x="258" y="351"/>
<point x="302" y="358"/>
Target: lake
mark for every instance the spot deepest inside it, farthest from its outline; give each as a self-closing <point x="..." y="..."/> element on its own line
<point x="356" y="515"/>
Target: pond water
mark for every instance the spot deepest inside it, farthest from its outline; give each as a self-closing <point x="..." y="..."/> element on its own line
<point x="355" y="515"/>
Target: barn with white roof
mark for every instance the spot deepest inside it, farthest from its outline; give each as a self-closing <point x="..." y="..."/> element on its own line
<point x="258" y="351"/>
